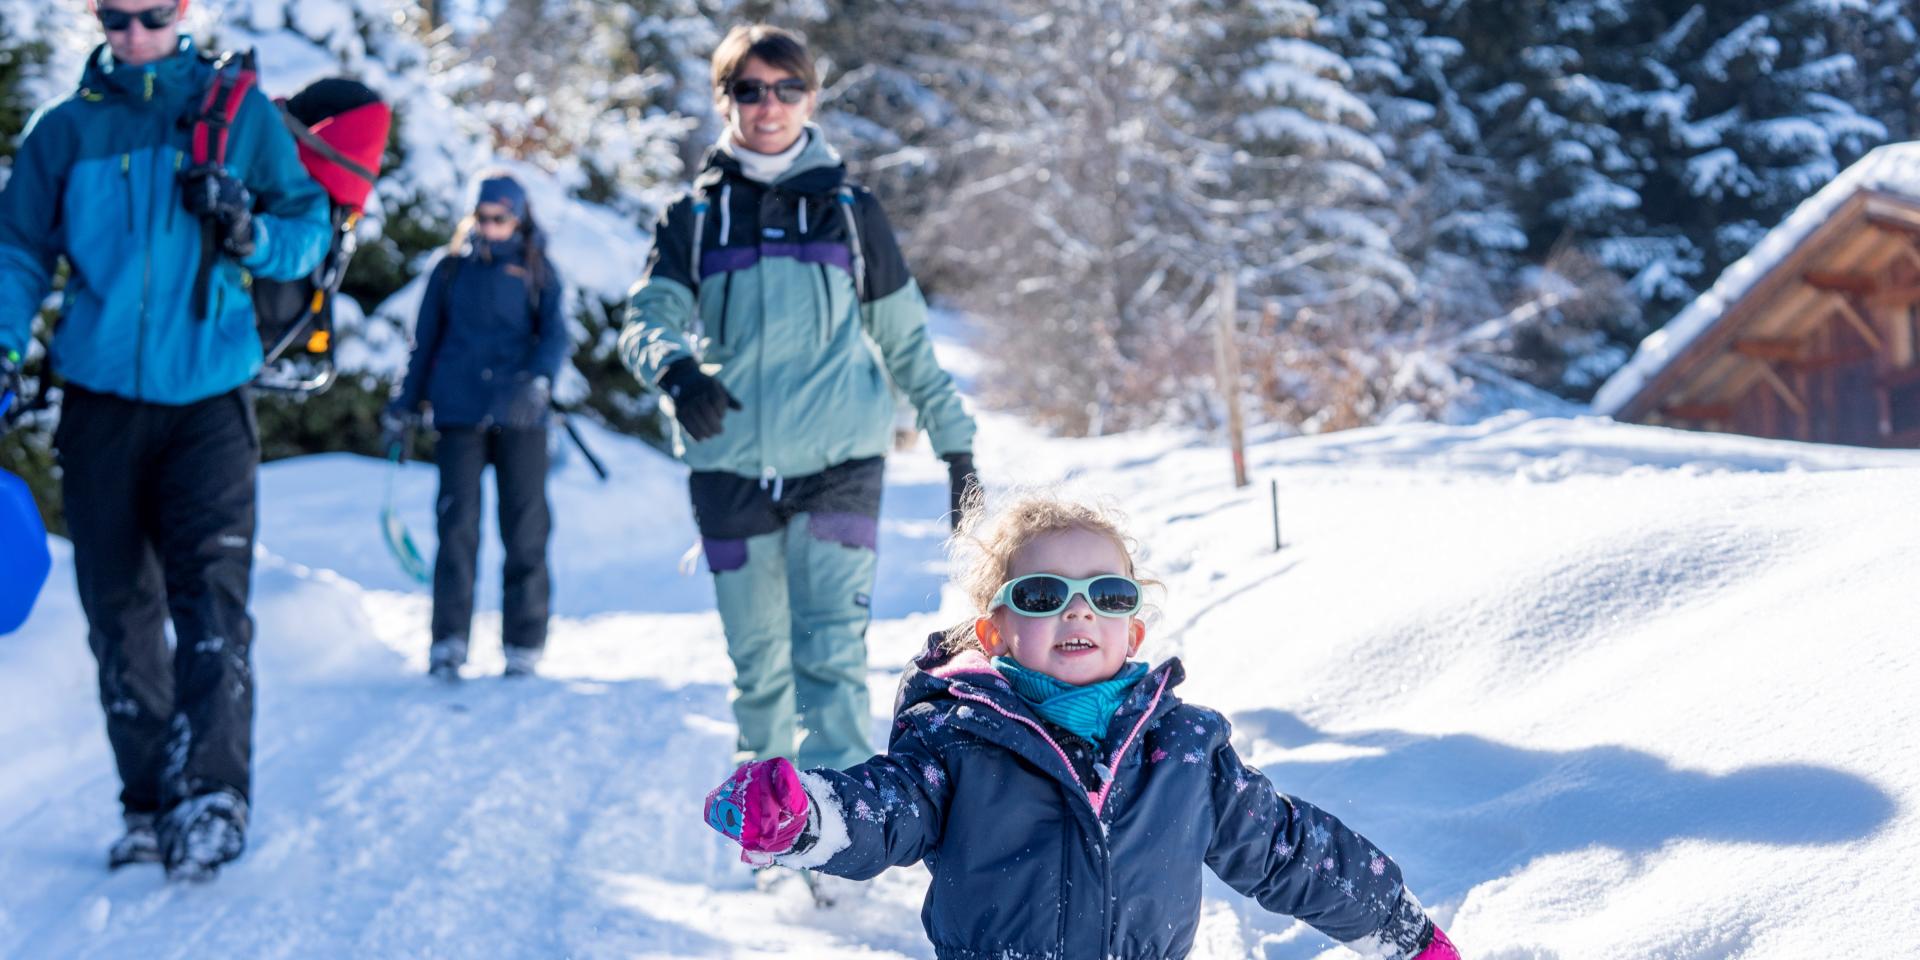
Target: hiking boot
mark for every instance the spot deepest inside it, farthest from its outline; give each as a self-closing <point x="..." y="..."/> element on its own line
<point x="521" y="661"/>
<point x="445" y="657"/>
<point x="140" y="844"/>
<point x="202" y="833"/>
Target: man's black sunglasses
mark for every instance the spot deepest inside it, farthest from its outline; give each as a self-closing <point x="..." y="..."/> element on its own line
<point x="790" y="91"/>
<point x="488" y="219"/>
<point x="153" y="18"/>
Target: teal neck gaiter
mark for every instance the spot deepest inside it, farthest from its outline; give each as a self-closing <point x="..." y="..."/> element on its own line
<point x="1083" y="711"/>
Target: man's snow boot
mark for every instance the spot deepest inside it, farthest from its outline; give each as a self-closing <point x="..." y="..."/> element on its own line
<point x="140" y="844"/>
<point x="445" y="657"/>
<point x="201" y="834"/>
<point x="521" y="661"/>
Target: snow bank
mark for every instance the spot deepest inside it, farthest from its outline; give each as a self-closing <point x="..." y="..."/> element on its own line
<point x="1602" y="690"/>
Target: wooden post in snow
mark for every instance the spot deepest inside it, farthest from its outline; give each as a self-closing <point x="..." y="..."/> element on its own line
<point x="1228" y="352"/>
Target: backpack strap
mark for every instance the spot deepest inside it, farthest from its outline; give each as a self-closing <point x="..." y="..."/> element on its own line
<point x="233" y="75"/>
<point x="312" y="141"/>
<point x="846" y="198"/>
<point x="844" y="195"/>
<point x="699" y="236"/>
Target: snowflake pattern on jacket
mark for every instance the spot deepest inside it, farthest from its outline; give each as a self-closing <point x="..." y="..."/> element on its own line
<point x="1028" y="859"/>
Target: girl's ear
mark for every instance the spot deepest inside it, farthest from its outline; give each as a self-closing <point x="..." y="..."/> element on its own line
<point x="988" y="635"/>
<point x="1139" y="631"/>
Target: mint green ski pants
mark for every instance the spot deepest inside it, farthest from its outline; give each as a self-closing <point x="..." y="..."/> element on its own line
<point x="796" y="615"/>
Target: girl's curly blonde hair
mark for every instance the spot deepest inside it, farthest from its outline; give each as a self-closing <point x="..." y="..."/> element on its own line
<point x="982" y="548"/>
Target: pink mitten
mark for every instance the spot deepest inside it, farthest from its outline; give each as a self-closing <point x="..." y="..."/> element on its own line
<point x="1440" y="949"/>
<point x="762" y="807"/>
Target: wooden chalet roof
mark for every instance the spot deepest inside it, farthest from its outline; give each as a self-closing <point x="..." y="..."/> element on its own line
<point x="1833" y="257"/>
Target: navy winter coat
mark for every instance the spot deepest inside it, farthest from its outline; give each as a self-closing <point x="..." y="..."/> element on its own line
<point x="482" y="338"/>
<point x="1027" y="862"/>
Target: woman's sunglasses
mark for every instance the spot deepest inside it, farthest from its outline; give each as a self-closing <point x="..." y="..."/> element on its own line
<point x="1045" y="594"/>
<point x="153" y="18"/>
<point x="790" y="91"/>
<point x="489" y="219"/>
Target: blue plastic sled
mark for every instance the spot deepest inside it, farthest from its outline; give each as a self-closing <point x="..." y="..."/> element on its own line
<point x="24" y="560"/>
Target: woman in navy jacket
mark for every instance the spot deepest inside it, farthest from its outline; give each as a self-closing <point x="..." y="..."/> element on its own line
<point x="489" y="342"/>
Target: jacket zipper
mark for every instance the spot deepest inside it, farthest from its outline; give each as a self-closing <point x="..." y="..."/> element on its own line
<point x="1106" y="857"/>
<point x="726" y="296"/>
<point x="146" y="264"/>
<point x="1113" y="763"/>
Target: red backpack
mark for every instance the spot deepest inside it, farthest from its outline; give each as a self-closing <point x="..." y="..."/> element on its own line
<point x="341" y="128"/>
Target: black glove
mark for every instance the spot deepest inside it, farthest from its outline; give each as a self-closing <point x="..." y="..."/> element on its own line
<point x="963" y="484"/>
<point x="11" y="387"/>
<point x="527" y="406"/>
<point x="699" y="402"/>
<point x="397" y="425"/>
<point x="211" y="193"/>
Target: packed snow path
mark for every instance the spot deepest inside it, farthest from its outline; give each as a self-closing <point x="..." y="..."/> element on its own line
<point x="1601" y="690"/>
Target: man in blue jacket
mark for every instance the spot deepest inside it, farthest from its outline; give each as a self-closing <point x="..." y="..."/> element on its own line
<point x="157" y="437"/>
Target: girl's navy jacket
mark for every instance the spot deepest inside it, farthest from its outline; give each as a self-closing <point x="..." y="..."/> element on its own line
<point x="1028" y="860"/>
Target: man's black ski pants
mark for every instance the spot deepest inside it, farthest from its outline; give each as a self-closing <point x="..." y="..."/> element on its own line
<point x="519" y="458"/>
<point x="160" y="506"/>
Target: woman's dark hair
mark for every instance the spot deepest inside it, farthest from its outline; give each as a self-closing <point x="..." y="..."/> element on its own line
<point x="773" y="46"/>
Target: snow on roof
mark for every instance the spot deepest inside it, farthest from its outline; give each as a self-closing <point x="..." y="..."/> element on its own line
<point x="1894" y="168"/>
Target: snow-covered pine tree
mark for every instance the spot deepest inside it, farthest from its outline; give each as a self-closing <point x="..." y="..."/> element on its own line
<point x="1554" y="89"/>
<point x="1756" y="108"/>
<point x="1090" y="188"/>
<point x="1453" y="224"/>
<point x="1453" y="227"/>
<point x="1888" y="49"/>
<point x="1307" y="213"/>
<point x="22" y="56"/>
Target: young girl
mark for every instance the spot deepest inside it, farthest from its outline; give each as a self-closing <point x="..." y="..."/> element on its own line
<point x="1063" y="798"/>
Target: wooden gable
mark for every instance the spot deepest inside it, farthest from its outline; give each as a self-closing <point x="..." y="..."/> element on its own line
<point x="1820" y="348"/>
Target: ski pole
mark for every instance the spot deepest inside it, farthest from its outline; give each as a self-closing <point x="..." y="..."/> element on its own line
<point x="566" y="424"/>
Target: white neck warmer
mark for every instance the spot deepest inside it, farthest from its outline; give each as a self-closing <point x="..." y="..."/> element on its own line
<point x="764" y="167"/>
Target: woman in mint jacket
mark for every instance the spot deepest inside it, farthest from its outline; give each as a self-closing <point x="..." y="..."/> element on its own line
<point x="779" y="316"/>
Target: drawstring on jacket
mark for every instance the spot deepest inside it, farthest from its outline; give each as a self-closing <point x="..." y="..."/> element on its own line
<point x="726" y="214"/>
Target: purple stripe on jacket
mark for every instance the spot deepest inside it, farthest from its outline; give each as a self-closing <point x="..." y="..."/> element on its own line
<point x="742" y="257"/>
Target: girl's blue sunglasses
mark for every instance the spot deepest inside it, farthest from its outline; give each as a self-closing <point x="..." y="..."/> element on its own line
<point x="1045" y="594"/>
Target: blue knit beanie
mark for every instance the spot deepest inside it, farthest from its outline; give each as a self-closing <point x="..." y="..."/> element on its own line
<point x="505" y="191"/>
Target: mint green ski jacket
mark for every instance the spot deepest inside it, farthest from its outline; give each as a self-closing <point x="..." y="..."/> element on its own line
<point x="779" y="322"/>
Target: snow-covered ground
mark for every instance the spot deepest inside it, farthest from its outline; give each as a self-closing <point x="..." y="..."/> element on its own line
<point x="1604" y="691"/>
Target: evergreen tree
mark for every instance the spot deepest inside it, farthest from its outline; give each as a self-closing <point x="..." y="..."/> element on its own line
<point x="1094" y="165"/>
<point x="1454" y="225"/>
<point x="1887" y="47"/>
<point x="1754" y="114"/>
